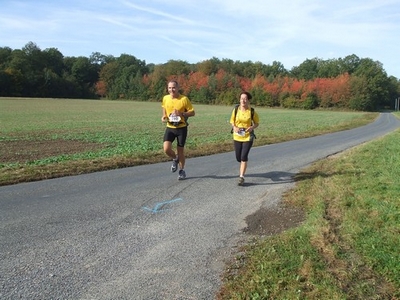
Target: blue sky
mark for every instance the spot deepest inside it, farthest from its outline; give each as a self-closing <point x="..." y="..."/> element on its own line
<point x="287" y="31"/>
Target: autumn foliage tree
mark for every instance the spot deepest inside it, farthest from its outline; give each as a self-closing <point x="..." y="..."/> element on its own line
<point x="345" y="83"/>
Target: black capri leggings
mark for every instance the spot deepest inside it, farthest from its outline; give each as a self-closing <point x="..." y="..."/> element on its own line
<point x="242" y="150"/>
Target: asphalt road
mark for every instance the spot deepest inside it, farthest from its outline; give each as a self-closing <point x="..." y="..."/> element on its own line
<point x="139" y="233"/>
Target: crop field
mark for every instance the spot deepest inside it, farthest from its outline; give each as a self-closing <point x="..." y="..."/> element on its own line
<point x="46" y="138"/>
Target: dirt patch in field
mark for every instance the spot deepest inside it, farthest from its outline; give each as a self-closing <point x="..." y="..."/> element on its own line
<point x="23" y="150"/>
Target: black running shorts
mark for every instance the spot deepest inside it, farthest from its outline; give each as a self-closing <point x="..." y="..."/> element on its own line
<point x="176" y="133"/>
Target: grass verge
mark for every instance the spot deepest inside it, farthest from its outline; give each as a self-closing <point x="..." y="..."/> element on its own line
<point x="347" y="248"/>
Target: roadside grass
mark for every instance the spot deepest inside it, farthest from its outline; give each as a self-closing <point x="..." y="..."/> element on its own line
<point x="47" y="138"/>
<point x="348" y="245"/>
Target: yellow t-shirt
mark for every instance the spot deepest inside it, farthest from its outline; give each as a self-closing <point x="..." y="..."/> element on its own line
<point x="243" y="120"/>
<point x="182" y="103"/>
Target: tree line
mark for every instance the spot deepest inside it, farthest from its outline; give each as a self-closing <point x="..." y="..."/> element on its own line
<point x="344" y="83"/>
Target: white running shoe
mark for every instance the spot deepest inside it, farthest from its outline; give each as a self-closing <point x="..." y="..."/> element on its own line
<point x="174" y="166"/>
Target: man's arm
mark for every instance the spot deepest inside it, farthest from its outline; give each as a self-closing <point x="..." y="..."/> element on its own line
<point x="164" y="117"/>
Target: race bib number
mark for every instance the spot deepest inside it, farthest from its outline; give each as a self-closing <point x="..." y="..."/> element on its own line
<point x="241" y="132"/>
<point x="174" y="119"/>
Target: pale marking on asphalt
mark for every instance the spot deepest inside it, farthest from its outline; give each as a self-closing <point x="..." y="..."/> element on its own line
<point x="159" y="206"/>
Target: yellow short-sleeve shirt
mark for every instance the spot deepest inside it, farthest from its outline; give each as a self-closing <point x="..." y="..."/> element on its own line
<point x="182" y="103"/>
<point x="243" y="120"/>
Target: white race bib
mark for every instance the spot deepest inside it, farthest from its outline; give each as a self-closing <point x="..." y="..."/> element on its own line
<point x="174" y="119"/>
<point x="241" y="132"/>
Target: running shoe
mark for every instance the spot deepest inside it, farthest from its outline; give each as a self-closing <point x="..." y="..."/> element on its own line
<point x="175" y="163"/>
<point x="182" y="175"/>
<point x="241" y="180"/>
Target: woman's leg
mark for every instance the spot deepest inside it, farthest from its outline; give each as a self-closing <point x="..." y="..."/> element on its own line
<point x="243" y="167"/>
<point x="238" y="150"/>
<point x="246" y="146"/>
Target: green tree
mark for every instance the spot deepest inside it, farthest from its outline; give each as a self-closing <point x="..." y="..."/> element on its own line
<point x="158" y="83"/>
<point x="394" y="92"/>
<point x="307" y="70"/>
<point x="329" y="68"/>
<point x="261" y="97"/>
<point x="360" y="99"/>
<point x="6" y="84"/>
<point x="311" y="101"/>
<point x="107" y="75"/>
<point x="33" y="70"/>
<point x="53" y="60"/>
<point x="177" y="67"/>
<point x="378" y="83"/>
<point x="208" y="67"/>
<point x="97" y="58"/>
<point x="275" y="70"/>
<point x="349" y="64"/>
<point x="120" y="76"/>
<point x="84" y="72"/>
<point x="5" y="57"/>
<point x="228" y="65"/>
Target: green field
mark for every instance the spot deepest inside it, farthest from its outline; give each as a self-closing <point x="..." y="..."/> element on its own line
<point x="347" y="246"/>
<point x="46" y="138"/>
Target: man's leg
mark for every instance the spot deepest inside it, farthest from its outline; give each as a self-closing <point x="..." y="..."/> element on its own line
<point x="168" y="149"/>
<point x="171" y="153"/>
<point x="180" y="147"/>
<point x="181" y="155"/>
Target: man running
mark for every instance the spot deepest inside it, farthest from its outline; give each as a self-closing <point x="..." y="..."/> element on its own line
<point x="176" y="108"/>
